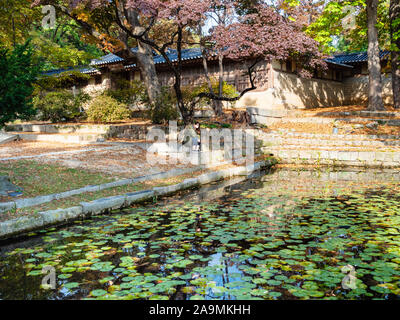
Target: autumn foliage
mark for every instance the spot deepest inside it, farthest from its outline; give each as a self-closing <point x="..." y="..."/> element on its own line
<point x="261" y="34"/>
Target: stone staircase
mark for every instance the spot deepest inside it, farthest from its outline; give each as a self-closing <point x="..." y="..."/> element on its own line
<point x="332" y="149"/>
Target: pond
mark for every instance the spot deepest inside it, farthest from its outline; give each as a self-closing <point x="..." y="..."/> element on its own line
<point x="281" y="235"/>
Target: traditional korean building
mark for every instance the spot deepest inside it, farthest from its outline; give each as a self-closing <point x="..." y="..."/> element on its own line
<point x="279" y="87"/>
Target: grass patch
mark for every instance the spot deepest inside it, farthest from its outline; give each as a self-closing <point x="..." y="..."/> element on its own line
<point x="90" y="196"/>
<point x="41" y="179"/>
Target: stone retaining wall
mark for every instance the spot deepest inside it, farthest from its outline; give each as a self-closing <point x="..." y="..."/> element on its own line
<point x="22" y="225"/>
<point x="334" y="158"/>
<point x="30" y="202"/>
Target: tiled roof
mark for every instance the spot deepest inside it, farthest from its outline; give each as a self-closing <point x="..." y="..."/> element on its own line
<point x="195" y="53"/>
<point x="85" y="70"/>
<point x="355" y="57"/>
<point x="107" y="59"/>
<point x="332" y="61"/>
<point x="187" y="54"/>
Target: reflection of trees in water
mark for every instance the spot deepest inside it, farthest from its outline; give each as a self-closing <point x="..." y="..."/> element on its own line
<point x="265" y="212"/>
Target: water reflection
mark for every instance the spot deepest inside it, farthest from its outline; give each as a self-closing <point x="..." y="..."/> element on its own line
<point x="281" y="235"/>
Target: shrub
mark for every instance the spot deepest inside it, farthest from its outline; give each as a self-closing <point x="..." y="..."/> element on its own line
<point x="105" y="109"/>
<point x="165" y="108"/>
<point x="190" y="92"/>
<point x="59" y="106"/>
<point x="65" y="79"/>
<point x="18" y="73"/>
<point x="129" y="92"/>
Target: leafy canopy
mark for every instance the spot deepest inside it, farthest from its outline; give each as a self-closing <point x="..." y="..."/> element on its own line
<point x="18" y="73"/>
<point x="333" y="36"/>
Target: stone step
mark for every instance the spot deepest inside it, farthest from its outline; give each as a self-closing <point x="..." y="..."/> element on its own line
<point x="335" y="157"/>
<point x="347" y="137"/>
<point x="320" y="147"/>
<point x="322" y="120"/>
<point x="87" y="138"/>
<point x="362" y="113"/>
<point x="278" y="140"/>
<point x="204" y="157"/>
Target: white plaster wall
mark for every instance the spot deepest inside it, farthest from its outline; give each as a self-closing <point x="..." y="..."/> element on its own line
<point x="356" y="89"/>
<point x="292" y="92"/>
<point x="94" y="89"/>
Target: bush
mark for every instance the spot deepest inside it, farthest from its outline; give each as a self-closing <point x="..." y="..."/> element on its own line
<point x="65" y="79"/>
<point x="18" y="73"/>
<point x="129" y="92"/>
<point x="105" y="109"/>
<point x="59" y="106"/>
<point x="165" y="108"/>
<point x="190" y="92"/>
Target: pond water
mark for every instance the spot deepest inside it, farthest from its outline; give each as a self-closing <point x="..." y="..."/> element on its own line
<point x="283" y="235"/>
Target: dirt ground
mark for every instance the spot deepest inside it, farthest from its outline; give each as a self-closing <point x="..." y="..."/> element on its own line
<point x="26" y="148"/>
<point x="126" y="160"/>
<point x="357" y="127"/>
<point x="315" y="112"/>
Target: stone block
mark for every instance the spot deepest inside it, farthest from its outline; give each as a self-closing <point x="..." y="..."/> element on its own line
<point x="19" y="225"/>
<point x="138" y="196"/>
<point x="6" y="206"/>
<point x="115" y="184"/>
<point x="188" y="183"/>
<point x="61" y="215"/>
<point x="161" y="191"/>
<point x="210" y="177"/>
<point x="30" y="202"/>
<point x="103" y="205"/>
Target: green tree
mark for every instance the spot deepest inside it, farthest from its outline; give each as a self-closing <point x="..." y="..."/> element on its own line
<point x="17" y="21"/>
<point x="63" y="46"/>
<point x="334" y="34"/>
<point x="18" y="73"/>
<point x="367" y="27"/>
<point x="375" y="101"/>
<point x="60" y="47"/>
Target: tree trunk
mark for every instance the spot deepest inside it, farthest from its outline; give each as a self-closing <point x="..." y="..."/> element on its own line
<point x="395" y="41"/>
<point x="220" y="82"/>
<point x="215" y="104"/>
<point x="147" y="68"/>
<point x="375" y="101"/>
<point x="187" y="114"/>
<point x="144" y="57"/>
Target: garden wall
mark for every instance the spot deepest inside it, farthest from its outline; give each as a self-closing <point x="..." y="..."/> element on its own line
<point x="356" y="89"/>
<point x="291" y="92"/>
<point x="97" y="85"/>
